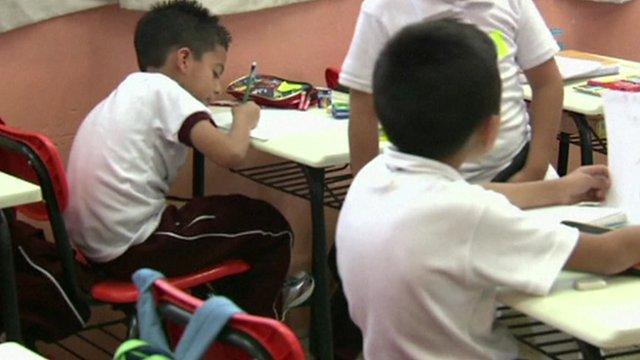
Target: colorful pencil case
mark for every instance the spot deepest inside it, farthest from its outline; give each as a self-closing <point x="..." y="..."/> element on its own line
<point x="620" y="85"/>
<point x="273" y="91"/>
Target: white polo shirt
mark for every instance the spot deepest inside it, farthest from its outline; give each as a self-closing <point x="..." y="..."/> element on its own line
<point x="526" y="40"/>
<point x="421" y="251"/>
<point x="125" y="155"/>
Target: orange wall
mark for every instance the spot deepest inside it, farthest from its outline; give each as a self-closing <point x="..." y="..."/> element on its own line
<point x="608" y="29"/>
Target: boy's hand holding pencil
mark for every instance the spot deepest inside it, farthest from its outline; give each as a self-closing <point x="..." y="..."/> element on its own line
<point x="247" y="113"/>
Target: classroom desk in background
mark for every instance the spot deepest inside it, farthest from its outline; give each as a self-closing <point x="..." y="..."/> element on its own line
<point x="579" y="106"/>
<point x="13" y="192"/>
<point x="606" y="318"/>
<point x="315" y="150"/>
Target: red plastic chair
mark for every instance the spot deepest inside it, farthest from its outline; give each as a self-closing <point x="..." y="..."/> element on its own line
<point x="244" y="337"/>
<point x="33" y="157"/>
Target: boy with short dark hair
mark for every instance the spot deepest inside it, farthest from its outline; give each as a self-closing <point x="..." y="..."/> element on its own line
<point x="421" y="251"/>
<point x="137" y="139"/>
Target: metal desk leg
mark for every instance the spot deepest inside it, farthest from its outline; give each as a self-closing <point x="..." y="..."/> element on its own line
<point x="589" y="352"/>
<point x="586" y="147"/>
<point x="563" y="154"/>
<point x="10" y="312"/>
<point x="321" y="332"/>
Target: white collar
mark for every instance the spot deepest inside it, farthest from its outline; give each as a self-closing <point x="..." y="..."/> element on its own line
<point x="397" y="161"/>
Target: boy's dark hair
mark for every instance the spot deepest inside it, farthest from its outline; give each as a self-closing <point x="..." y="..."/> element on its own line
<point x="173" y="24"/>
<point x="433" y="84"/>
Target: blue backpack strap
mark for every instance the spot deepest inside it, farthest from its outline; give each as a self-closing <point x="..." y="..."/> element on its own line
<point x="149" y="322"/>
<point x="204" y="327"/>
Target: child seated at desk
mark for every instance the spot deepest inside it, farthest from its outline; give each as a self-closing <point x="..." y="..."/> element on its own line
<point x="421" y="251"/>
<point x="137" y="139"/>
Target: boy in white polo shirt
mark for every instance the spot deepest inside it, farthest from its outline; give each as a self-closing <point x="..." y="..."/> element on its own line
<point x="420" y="250"/>
<point x="130" y="147"/>
<point x="525" y="44"/>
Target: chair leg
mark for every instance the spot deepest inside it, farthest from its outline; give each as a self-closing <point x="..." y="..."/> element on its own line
<point x="132" y="328"/>
<point x="563" y="153"/>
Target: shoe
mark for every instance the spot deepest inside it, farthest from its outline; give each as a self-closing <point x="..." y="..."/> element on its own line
<point x="296" y="291"/>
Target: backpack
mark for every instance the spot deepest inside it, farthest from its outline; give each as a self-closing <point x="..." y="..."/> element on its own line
<point x="46" y="310"/>
<point x="200" y="333"/>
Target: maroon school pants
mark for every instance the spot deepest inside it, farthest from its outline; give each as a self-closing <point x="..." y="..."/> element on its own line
<point x="210" y="230"/>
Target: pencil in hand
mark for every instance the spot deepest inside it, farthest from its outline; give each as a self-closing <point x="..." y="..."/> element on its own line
<point x="250" y="82"/>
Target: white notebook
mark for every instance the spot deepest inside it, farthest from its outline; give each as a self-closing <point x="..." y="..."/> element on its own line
<point x="572" y="68"/>
<point x="588" y="214"/>
<point x="277" y="123"/>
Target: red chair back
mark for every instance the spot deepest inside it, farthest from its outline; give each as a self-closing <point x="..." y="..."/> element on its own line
<point x="14" y="163"/>
<point x="274" y="337"/>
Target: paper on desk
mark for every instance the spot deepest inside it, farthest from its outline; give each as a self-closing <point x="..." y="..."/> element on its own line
<point x="573" y="68"/>
<point x="584" y="213"/>
<point x="622" y="114"/>
<point x="276" y="123"/>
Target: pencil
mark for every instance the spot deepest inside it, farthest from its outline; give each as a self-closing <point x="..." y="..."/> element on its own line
<point x="250" y="81"/>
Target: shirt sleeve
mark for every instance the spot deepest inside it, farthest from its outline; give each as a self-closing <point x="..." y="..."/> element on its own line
<point x="368" y="40"/>
<point x="511" y="249"/>
<point x="534" y="40"/>
<point x="177" y="107"/>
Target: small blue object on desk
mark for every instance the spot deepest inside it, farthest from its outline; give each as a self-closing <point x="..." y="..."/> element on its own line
<point x="340" y="111"/>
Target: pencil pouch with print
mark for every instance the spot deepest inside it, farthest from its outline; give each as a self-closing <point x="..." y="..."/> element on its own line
<point x="269" y="90"/>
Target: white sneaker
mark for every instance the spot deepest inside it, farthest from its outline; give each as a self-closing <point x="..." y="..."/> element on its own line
<point x="296" y="290"/>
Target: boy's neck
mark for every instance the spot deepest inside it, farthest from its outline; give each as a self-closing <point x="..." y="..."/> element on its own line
<point x="456" y="160"/>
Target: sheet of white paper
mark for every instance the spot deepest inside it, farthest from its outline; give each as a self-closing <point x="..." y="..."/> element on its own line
<point x="276" y="123"/>
<point x="588" y="214"/>
<point x="622" y="114"/>
<point x="571" y="68"/>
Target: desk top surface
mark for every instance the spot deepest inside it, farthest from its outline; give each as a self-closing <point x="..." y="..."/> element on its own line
<point x="606" y="318"/>
<point x="311" y="137"/>
<point x="15" y="191"/>
<point x="586" y="104"/>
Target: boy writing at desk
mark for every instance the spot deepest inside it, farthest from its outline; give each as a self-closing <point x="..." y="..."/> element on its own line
<point x="420" y="250"/>
<point x="137" y="139"/>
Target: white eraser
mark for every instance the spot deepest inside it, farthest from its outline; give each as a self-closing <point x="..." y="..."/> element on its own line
<point x="590" y="283"/>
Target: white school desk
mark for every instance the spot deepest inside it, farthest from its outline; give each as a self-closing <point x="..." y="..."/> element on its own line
<point x="15" y="351"/>
<point x="580" y="106"/>
<point x="605" y="318"/>
<point x="13" y="192"/>
<point x="316" y="169"/>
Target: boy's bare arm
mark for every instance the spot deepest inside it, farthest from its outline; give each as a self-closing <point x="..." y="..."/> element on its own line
<point x="546" y="112"/>
<point x="607" y="253"/>
<point x="587" y="183"/>
<point x="363" y="130"/>
<point x="227" y="149"/>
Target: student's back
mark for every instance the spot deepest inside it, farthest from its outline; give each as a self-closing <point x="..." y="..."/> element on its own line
<point x="130" y="144"/>
<point x="420" y="252"/>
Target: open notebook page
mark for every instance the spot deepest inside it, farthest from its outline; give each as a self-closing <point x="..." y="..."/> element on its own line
<point x="622" y="114"/>
<point x="277" y="123"/>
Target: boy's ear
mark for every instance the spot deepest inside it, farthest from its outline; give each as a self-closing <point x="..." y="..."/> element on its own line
<point x="489" y="132"/>
<point x="183" y="58"/>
